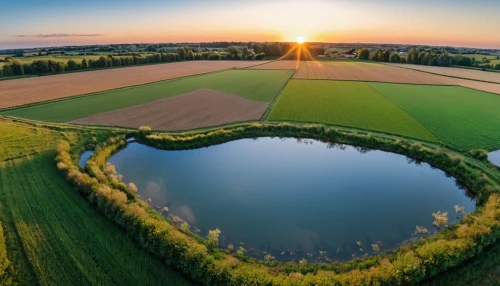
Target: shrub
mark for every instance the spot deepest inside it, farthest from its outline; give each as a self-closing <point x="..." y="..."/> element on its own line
<point x="260" y="56"/>
<point x="144" y="130"/>
<point x="363" y="54"/>
<point x="214" y="56"/>
<point x="395" y="58"/>
<point x="4" y="261"/>
<point x="479" y="154"/>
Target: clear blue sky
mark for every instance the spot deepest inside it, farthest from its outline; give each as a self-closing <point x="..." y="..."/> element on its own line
<point x="441" y="22"/>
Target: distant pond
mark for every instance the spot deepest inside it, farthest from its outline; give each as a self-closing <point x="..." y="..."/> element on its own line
<point x="494" y="157"/>
<point x="290" y="199"/>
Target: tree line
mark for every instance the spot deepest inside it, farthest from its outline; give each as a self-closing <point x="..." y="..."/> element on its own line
<point x="14" y="67"/>
<point x="426" y="57"/>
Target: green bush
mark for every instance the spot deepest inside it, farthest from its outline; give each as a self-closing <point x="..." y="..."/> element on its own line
<point x="4" y="261"/>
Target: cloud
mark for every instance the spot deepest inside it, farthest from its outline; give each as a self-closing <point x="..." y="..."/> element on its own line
<point x="58" y="35"/>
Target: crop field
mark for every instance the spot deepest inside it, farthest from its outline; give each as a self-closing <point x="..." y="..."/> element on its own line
<point x="256" y="85"/>
<point x="492" y="77"/>
<point x="463" y="118"/>
<point x="353" y="104"/>
<point x="192" y="110"/>
<point x="53" y="235"/>
<point x="18" y="139"/>
<point x="365" y="71"/>
<point x="35" y="89"/>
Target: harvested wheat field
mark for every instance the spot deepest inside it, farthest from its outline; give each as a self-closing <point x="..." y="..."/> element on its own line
<point x="35" y="89"/>
<point x="191" y="110"/>
<point x="278" y="65"/>
<point x="362" y="71"/>
<point x="493" y="77"/>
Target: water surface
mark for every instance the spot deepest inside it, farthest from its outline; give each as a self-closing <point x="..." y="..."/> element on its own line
<point x="494" y="157"/>
<point x="84" y="157"/>
<point x="293" y="199"/>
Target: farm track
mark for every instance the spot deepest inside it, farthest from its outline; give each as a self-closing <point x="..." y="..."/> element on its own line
<point x="460" y="73"/>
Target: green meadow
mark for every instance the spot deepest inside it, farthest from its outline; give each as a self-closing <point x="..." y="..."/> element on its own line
<point x="463" y="118"/>
<point x="353" y="104"/>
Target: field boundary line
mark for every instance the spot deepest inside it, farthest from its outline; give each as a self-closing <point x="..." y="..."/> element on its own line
<point x="373" y="81"/>
<point x="108" y="90"/>
<point x="276" y="98"/>
<point x="406" y="112"/>
<point x="451" y="76"/>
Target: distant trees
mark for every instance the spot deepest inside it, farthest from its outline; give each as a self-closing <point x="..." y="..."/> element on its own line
<point x="84" y="64"/>
<point x="363" y="54"/>
<point x="257" y="48"/>
<point x="395" y="58"/>
<point x="14" y="67"/>
<point x="182" y="54"/>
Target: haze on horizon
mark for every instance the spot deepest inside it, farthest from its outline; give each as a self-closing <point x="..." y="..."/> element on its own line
<point x="440" y="22"/>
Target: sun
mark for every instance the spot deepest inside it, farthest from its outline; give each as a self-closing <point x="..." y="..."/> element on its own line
<point x="300" y="40"/>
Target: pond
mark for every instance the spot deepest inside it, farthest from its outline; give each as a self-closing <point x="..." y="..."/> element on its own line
<point x="84" y="157"/>
<point x="494" y="157"/>
<point x="291" y="199"/>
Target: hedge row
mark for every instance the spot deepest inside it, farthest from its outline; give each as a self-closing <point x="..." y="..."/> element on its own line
<point x="4" y="260"/>
<point x="191" y="255"/>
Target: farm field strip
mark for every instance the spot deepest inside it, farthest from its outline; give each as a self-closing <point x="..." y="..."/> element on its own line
<point x="365" y="71"/>
<point x="256" y="85"/>
<point x="353" y="104"/>
<point x="35" y="89"/>
<point x="463" y="118"/>
<point x="60" y="239"/>
<point x="197" y="109"/>
<point x="461" y="73"/>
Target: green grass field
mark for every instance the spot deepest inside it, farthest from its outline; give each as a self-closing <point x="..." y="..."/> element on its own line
<point x="18" y="140"/>
<point x="257" y="85"/>
<point x="463" y="118"/>
<point x="55" y="237"/>
<point x="353" y="104"/>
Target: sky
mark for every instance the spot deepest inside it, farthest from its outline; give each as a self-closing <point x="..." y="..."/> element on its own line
<point x="463" y="23"/>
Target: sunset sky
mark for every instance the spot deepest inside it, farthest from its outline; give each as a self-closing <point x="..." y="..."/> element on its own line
<point x="440" y="22"/>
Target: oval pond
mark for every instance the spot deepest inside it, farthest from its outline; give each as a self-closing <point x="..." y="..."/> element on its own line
<point x="293" y="199"/>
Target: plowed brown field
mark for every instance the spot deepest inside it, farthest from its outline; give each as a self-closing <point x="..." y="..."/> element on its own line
<point x="30" y="90"/>
<point x="493" y="77"/>
<point x="195" y="109"/>
<point x="364" y="72"/>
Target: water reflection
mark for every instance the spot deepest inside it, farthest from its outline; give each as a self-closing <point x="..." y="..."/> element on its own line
<point x="292" y="199"/>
